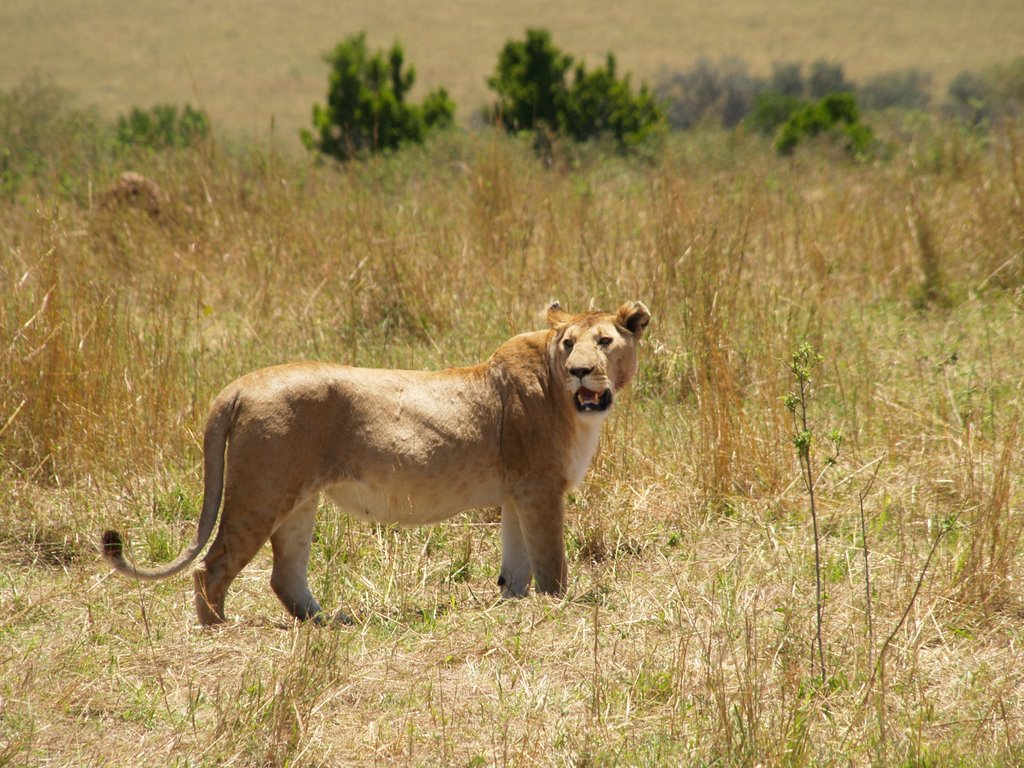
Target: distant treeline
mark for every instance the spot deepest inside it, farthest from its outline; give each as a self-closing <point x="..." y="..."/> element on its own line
<point x="549" y="93"/>
<point x="539" y="89"/>
<point x="725" y="91"/>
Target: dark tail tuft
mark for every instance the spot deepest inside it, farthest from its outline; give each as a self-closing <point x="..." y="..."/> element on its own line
<point x="113" y="546"/>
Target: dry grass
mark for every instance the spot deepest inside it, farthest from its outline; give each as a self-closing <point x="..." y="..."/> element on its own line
<point x="686" y="637"/>
<point x="250" y="63"/>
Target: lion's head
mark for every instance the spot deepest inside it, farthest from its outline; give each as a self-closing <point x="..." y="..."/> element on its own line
<point x="594" y="353"/>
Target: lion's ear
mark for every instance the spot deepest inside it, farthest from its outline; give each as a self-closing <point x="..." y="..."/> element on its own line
<point x="633" y="316"/>
<point x="557" y="315"/>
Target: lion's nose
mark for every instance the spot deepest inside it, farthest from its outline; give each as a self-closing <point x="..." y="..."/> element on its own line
<point x="579" y="373"/>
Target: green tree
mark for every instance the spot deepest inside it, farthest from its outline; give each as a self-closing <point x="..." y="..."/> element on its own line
<point x="600" y="104"/>
<point x="366" y="108"/>
<point x="534" y="93"/>
<point x="530" y="83"/>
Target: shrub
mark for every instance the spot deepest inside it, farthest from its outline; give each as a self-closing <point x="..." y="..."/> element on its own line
<point x="366" y="108"/>
<point x="826" y="77"/>
<point x="835" y="112"/>
<point x="992" y="94"/>
<point x="728" y="93"/>
<point x="724" y="92"/>
<point x="787" y="78"/>
<point x="46" y="140"/>
<point x="163" y="126"/>
<point x="530" y="81"/>
<point x="772" y="109"/>
<point x="905" y="89"/>
<point x="1006" y="87"/>
<point x="600" y="104"/>
<point x="968" y="98"/>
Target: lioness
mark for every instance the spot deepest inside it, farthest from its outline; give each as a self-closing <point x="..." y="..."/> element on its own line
<point x="406" y="447"/>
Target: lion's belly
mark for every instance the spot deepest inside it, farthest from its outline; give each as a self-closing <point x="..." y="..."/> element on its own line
<point x="413" y="448"/>
<point x="398" y="503"/>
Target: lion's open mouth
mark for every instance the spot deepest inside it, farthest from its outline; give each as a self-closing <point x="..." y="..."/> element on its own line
<point x="588" y="400"/>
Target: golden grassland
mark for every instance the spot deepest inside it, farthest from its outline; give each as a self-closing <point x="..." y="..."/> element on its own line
<point x="687" y="635"/>
<point x="250" y="62"/>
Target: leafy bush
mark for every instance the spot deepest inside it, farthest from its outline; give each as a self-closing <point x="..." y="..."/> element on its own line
<point x="826" y="77"/>
<point x="787" y="78"/>
<point x="530" y="82"/>
<point x="1006" y="87"/>
<point x="728" y="93"/>
<point x="163" y="127"/>
<point x="835" y="112"/>
<point x="905" y="89"/>
<point x="724" y="92"/>
<point x="967" y="98"/>
<point x="600" y="104"/>
<point x="992" y="94"/>
<point x="46" y="140"/>
<point x="772" y="109"/>
<point x="366" y="108"/>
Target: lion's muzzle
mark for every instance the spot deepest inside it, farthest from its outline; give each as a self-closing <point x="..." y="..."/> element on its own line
<point x="588" y="400"/>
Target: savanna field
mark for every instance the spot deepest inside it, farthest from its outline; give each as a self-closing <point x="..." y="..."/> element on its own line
<point x="689" y="633"/>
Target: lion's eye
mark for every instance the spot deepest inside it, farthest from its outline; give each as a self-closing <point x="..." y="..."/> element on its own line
<point x="568" y="343"/>
<point x="604" y="341"/>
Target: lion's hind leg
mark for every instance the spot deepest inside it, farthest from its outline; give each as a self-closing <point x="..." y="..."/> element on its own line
<point x="220" y="567"/>
<point x="242" y="533"/>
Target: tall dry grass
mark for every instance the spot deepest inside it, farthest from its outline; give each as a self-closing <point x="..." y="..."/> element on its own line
<point x="687" y="635"/>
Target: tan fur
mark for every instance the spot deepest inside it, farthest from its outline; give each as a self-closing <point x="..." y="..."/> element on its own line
<point x="406" y="447"/>
<point x="135" y="190"/>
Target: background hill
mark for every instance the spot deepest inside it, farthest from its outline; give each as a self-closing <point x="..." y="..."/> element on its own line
<point x="248" y="62"/>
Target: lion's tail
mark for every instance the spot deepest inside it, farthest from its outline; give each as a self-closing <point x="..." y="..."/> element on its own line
<point x="215" y="440"/>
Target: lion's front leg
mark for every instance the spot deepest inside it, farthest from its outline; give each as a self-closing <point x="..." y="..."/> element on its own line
<point x="514" y="578"/>
<point x="542" y="522"/>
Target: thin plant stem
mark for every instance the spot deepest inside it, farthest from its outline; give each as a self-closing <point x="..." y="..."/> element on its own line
<point x="805" y="456"/>
<point x="867" y="565"/>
